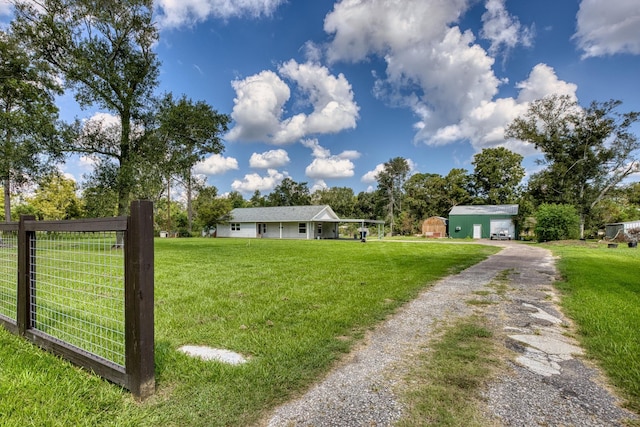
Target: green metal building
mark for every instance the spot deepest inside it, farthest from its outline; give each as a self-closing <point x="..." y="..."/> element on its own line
<point x="483" y="221"/>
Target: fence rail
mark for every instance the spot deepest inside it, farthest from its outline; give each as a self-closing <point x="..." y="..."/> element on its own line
<point x="84" y="291"/>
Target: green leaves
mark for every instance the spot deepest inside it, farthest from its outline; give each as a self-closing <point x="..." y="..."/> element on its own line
<point x="587" y="151"/>
<point x="497" y="175"/>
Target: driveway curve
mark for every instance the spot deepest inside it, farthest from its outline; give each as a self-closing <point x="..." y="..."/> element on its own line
<point x="546" y="382"/>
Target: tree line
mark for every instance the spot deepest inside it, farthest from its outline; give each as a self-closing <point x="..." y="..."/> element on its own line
<point x="102" y="52"/>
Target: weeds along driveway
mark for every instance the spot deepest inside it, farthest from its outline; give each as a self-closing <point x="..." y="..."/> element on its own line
<point x="544" y="381"/>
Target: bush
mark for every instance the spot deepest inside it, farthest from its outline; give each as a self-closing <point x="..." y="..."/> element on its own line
<point x="557" y="222"/>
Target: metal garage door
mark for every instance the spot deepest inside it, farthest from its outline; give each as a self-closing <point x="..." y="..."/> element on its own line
<point x="498" y="225"/>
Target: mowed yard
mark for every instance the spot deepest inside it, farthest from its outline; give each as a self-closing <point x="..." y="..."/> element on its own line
<point x="601" y="293"/>
<point x="291" y="307"/>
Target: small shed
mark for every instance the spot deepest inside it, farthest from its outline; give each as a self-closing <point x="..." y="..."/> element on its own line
<point x="481" y="221"/>
<point x="619" y="228"/>
<point x="435" y="226"/>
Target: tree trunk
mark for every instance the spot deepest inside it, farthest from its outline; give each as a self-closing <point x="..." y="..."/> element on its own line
<point x="7" y="200"/>
<point x="189" y="207"/>
<point x="169" y="205"/>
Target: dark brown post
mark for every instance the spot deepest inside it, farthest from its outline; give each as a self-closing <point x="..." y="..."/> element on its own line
<point x="23" y="318"/>
<point x="139" y="338"/>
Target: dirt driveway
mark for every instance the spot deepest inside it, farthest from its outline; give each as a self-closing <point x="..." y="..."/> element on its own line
<point x="547" y="382"/>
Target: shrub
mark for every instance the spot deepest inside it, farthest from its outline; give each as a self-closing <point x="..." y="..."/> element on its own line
<point x="557" y="222"/>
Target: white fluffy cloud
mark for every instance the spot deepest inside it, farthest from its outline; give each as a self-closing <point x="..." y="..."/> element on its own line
<point x="260" y="100"/>
<point x="258" y="106"/>
<point x="269" y="159"/>
<point x="216" y="165"/>
<point x="325" y="165"/>
<point x="439" y="71"/>
<point x="484" y="126"/>
<point x="608" y="27"/>
<point x="177" y="13"/>
<point x="503" y="30"/>
<point x="371" y="176"/>
<point x="252" y="182"/>
<point x="433" y="67"/>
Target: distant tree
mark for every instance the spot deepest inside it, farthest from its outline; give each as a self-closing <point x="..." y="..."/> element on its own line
<point x="556" y="222"/>
<point x="99" y="194"/>
<point x="390" y="183"/>
<point x="187" y="131"/>
<point x="425" y="196"/>
<point x="497" y="175"/>
<point x="408" y="225"/>
<point x="367" y="206"/>
<point x="211" y="209"/>
<point x="457" y="189"/>
<point x="56" y="199"/>
<point x="341" y="199"/>
<point x="633" y="193"/>
<point x="586" y="151"/>
<point x="29" y="145"/>
<point x="290" y="193"/>
<point x="236" y="199"/>
<point x="257" y="200"/>
<point x="171" y="218"/>
<point x="104" y="51"/>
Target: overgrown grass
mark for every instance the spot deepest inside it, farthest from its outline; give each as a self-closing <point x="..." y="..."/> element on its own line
<point x="601" y="293"/>
<point x="292" y="307"/>
<point x="450" y="377"/>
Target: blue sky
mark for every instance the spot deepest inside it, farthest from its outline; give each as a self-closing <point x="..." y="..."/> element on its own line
<point x="324" y="91"/>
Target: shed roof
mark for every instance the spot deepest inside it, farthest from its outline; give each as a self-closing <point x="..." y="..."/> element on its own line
<point x="484" y="210"/>
<point x="285" y="214"/>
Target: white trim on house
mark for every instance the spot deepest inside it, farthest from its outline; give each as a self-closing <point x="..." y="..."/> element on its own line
<point x="285" y="222"/>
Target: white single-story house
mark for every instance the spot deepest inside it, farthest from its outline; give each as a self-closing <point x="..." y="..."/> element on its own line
<point x="284" y="222"/>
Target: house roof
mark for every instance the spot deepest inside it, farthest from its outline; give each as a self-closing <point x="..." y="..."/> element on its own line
<point x="285" y="214"/>
<point x="484" y="210"/>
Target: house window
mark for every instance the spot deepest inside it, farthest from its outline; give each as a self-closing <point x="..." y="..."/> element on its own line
<point x="235" y="226"/>
<point x="302" y="228"/>
<point x="320" y="229"/>
<point x="262" y="228"/>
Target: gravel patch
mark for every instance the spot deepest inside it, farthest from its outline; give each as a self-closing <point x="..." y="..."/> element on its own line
<point x="360" y="391"/>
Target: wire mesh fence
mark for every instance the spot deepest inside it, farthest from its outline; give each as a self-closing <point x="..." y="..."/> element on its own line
<point x="77" y="294"/>
<point x="8" y="274"/>
<point x="83" y="289"/>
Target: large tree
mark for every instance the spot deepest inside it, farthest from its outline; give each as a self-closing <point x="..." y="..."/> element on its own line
<point x="341" y="199"/>
<point x="56" y="198"/>
<point x="390" y="184"/>
<point x="211" y="209"/>
<point x="104" y="51"/>
<point x="586" y="151"/>
<point x="458" y="188"/>
<point x="187" y="131"/>
<point x="28" y="133"/>
<point x="290" y="193"/>
<point x="497" y="175"/>
<point x="425" y="195"/>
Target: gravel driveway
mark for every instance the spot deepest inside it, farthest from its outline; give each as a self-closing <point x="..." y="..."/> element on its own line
<point x="546" y="383"/>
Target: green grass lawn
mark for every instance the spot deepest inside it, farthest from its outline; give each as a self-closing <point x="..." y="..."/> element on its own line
<point x="291" y="307"/>
<point x="601" y="293"/>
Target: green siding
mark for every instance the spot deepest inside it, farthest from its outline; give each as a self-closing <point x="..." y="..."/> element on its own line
<point x="466" y="222"/>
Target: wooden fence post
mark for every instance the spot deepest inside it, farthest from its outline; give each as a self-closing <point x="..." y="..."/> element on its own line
<point x="23" y="314"/>
<point x="139" y="318"/>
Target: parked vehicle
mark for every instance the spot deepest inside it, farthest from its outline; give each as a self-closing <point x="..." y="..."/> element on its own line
<point x="501" y="235"/>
